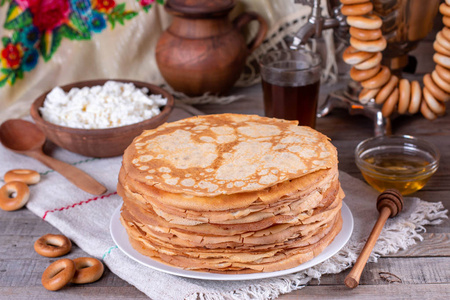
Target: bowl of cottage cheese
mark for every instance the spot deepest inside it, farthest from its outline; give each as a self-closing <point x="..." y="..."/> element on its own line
<point x="100" y="118"/>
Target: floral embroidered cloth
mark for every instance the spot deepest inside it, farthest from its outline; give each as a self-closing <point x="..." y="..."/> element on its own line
<point x="39" y="26"/>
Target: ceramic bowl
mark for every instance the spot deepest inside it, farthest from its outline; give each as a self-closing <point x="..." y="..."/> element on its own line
<point x="402" y="162"/>
<point x="100" y="142"/>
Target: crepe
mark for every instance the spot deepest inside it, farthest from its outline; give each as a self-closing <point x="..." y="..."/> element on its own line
<point x="231" y="193"/>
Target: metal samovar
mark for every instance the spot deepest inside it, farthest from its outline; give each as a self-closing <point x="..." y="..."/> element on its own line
<point x="405" y="24"/>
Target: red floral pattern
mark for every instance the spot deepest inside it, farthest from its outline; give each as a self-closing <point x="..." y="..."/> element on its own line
<point x="12" y="54"/>
<point x="104" y="5"/>
<point x="49" y="14"/>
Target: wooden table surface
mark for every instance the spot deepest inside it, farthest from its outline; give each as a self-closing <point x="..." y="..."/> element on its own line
<point x="423" y="268"/>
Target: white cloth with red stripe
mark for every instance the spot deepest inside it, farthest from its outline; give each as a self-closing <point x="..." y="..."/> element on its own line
<point x="85" y="220"/>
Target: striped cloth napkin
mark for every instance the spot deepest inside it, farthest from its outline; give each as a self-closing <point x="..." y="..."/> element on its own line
<point x="85" y="220"/>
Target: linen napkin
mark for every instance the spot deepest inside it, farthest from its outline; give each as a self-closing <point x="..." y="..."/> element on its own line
<point x="85" y="220"/>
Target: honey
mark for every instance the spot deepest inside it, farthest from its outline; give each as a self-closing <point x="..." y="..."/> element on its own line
<point x="406" y="171"/>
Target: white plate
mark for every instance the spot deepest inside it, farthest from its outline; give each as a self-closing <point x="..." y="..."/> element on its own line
<point x="120" y="237"/>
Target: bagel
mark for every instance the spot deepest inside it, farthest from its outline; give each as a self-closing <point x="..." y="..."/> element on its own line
<point x="365" y="22"/>
<point x="426" y="111"/>
<point x="436" y="91"/>
<point x="14" y="195"/>
<point x="369" y="46"/>
<point x="444" y="9"/>
<point x="370" y="63"/>
<point x="440" y="49"/>
<point x="404" y="97"/>
<point x="366" y="94"/>
<point x="353" y="56"/>
<point x="389" y="105"/>
<point x="416" y="97"/>
<point x="442" y="60"/>
<point x="446" y="21"/>
<point x="443" y="73"/>
<point x="88" y="269"/>
<point x="22" y="175"/>
<point x="58" y="274"/>
<point x="52" y="245"/>
<point x="357" y="9"/>
<point x="446" y="32"/>
<point x="440" y="38"/>
<point x="365" y="34"/>
<point x="437" y="107"/>
<point x="441" y="83"/>
<point x="361" y="75"/>
<point x="346" y="2"/>
<point x="386" y="90"/>
<point x="378" y="80"/>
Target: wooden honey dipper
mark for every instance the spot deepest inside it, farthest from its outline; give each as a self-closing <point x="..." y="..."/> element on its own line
<point x="389" y="204"/>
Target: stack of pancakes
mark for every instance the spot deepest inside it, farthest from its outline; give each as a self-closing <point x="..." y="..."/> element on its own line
<point x="231" y="193"/>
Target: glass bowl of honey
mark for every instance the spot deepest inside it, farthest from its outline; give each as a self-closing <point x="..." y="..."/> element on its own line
<point x="403" y="162"/>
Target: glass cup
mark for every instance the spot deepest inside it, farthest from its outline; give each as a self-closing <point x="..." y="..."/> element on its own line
<point x="291" y="81"/>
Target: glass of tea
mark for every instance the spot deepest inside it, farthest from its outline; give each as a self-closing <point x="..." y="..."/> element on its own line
<point x="291" y="81"/>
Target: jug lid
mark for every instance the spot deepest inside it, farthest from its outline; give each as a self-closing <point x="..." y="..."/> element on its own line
<point x="199" y="8"/>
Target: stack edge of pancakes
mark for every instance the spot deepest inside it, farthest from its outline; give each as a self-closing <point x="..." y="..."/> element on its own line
<point x="231" y="193"/>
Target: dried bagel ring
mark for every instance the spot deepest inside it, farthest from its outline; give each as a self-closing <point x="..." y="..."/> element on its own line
<point x="434" y="89"/>
<point x="357" y="9"/>
<point x="378" y="80"/>
<point x="440" y="49"/>
<point x="52" y="245"/>
<point x="437" y="107"/>
<point x="370" y="63"/>
<point x="442" y="60"/>
<point x="446" y="2"/>
<point x="14" y="195"/>
<point x="416" y="97"/>
<point x="389" y="106"/>
<point x="88" y="269"/>
<point x="446" y="21"/>
<point x="426" y="111"/>
<point x="445" y="86"/>
<point x="404" y="98"/>
<point x="58" y="274"/>
<point x="366" y="94"/>
<point x="444" y="9"/>
<point x="386" y="90"/>
<point x="361" y="75"/>
<point x="353" y="56"/>
<point x="353" y="1"/>
<point x="22" y="175"/>
<point x="365" y="34"/>
<point x="440" y="38"/>
<point x="443" y="73"/>
<point x="365" y="22"/>
<point x="369" y="46"/>
<point x="446" y="32"/>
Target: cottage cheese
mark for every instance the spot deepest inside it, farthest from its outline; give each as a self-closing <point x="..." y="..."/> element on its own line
<point x="112" y="105"/>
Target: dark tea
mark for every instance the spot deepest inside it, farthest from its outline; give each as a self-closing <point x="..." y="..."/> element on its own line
<point x="292" y="102"/>
<point x="290" y="82"/>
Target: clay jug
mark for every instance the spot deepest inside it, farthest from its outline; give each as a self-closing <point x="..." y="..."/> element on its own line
<point x="202" y="50"/>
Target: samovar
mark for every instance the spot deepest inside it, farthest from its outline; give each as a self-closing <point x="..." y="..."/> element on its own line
<point x="405" y="23"/>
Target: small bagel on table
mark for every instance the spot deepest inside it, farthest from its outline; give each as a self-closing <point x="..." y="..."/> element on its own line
<point x="52" y="245"/>
<point x="23" y="175"/>
<point x="386" y="90"/>
<point x="404" y="96"/>
<point x="58" y="274"/>
<point x="389" y="106"/>
<point x="416" y="97"/>
<point x="88" y="269"/>
<point x="14" y="195"/>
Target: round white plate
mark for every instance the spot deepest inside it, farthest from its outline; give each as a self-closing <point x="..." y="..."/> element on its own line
<point x="120" y="237"/>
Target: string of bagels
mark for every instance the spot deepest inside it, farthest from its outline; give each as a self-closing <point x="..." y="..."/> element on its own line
<point x="395" y="94"/>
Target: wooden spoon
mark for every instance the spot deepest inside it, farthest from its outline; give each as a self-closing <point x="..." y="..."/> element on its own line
<point x="26" y="138"/>
<point x="389" y="204"/>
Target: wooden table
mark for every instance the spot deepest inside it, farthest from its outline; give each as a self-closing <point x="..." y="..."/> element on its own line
<point x="424" y="268"/>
